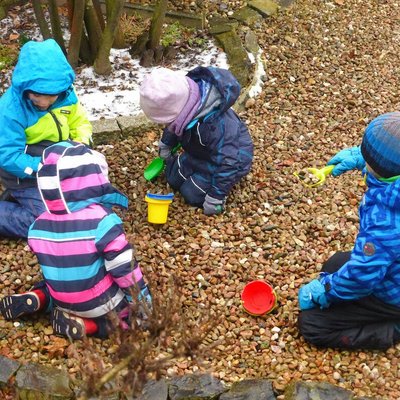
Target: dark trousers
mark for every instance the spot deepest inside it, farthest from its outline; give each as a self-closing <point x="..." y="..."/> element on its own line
<point x="367" y="323"/>
<point x="17" y="214"/>
<point x="192" y="185"/>
<point x="103" y="323"/>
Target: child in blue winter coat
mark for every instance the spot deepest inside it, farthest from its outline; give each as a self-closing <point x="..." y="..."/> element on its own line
<point x="87" y="263"/>
<point x="355" y="302"/>
<point x="196" y="108"/>
<point x="38" y="109"/>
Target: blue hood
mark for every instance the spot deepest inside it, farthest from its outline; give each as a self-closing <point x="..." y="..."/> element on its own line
<point x="42" y="68"/>
<point x="223" y="80"/>
<point x="382" y="193"/>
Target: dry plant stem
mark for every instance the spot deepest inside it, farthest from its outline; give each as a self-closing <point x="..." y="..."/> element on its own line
<point x="114" y="371"/>
<point x="123" y="364"/>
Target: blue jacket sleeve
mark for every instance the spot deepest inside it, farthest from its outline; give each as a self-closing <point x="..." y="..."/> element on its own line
<point x="366" y="268"/>
<point x="13" y="158"/>
<point x="169" y="138"/>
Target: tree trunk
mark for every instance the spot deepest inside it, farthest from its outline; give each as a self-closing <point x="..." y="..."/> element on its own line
<point x="85" y="52"/>
<point x="93" y="26"/>
<point x="100" y="16"/>
<point x="102" y="63"/>
<point x="56" y="25"/>
<point x="119" y="40"/>
<point x="156" y="24"/>
<point x="76" y="32"/>
<point x="70" y="8"/>
<point x="40" y="19"/>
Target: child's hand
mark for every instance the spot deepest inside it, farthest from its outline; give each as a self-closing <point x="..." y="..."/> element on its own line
<point x="164" y="151"/>
<point x="312" y="295"/>
<point x="213" y="206"/>
<point x="347" y="160"/>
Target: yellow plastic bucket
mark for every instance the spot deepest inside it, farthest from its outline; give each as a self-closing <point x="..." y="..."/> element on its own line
<point x="157" y="207"/>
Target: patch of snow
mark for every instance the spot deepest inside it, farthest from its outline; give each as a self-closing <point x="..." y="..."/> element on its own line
<point x="259" y="73"/>
<point x="117" y="94"/>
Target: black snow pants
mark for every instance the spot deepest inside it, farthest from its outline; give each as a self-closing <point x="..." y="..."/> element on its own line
<point x="366" y="323"/>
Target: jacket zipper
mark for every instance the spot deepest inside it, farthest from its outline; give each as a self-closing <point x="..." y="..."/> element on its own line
<point x="198" y="134"/>
<point x="58" y="124"/>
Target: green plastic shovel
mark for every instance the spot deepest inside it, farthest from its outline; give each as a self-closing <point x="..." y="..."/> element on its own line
<point x="157" y="166"/>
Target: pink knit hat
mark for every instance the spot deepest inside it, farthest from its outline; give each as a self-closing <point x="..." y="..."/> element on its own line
<point x="163" y="94"/>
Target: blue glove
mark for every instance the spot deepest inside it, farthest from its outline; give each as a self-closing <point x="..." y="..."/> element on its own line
<point x="145" y="296"/>
<point x="313" y="295"/>
<point x="213" y="206"/>
<point x="346" y="160"/>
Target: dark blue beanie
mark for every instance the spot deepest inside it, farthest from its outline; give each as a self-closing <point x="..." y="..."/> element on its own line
<point x="380" y="146"/>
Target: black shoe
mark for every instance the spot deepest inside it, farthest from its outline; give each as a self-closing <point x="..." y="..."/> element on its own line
<point x="12" y="307"/>
<point x="67" y="325"/>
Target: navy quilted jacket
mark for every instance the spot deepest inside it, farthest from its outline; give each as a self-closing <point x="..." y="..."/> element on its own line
<point x="218" y="144"/>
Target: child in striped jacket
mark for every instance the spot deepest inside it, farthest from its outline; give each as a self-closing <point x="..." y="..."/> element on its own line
<point x="87" y="263"/>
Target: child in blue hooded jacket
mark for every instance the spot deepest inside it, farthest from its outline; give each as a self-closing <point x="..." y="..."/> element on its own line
<point x="355" y="302"/>
<point x="40" y="108"/>
<point x="218" y="149"/>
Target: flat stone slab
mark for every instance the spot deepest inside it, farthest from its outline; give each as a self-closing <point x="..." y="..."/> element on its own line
<point x="265" y="7"/>
<point x="155" y="390"/>
<point x="135" y="124"/>
<point x="190" y="20"/>
<point x="250" y="389"/>
<point x="251" y="43"/>
<point x="8" y="368"/>
<point x="238" y="58"/>
<point x="43" y="382"/>
<point x="105" y="131"/>
<point x="316" y="390"/>
<point x="196" y="387"/>
<point x="285" y="3"/>
<point x="221" y="25"/>
<point x="247" y="16"/>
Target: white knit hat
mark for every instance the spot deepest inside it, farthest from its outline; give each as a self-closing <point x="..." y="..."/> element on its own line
<point x="163" y="94"/>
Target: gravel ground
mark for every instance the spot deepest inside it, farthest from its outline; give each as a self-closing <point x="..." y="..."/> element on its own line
<point x="332" y="67"/>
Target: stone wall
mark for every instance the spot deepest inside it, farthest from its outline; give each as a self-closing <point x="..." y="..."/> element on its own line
<point x="33" y="381"/>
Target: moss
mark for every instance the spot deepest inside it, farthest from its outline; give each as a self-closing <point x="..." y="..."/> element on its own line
<point x="8" y="56"/>
<point x="172" y="33"/>
<point x="177" y="33"/>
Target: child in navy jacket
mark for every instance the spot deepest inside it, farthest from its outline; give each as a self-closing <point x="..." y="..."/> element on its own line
<point x="218" y="149"/>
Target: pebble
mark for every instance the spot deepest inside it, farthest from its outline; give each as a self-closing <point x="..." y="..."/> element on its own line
<point x="317" y="98"/>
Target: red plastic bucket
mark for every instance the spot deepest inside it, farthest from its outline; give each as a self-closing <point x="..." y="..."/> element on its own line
<point x="258" y="298"/>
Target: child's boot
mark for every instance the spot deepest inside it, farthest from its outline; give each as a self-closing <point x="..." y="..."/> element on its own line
<point x="71" y="326"/>
<point x="16" y="305"/>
